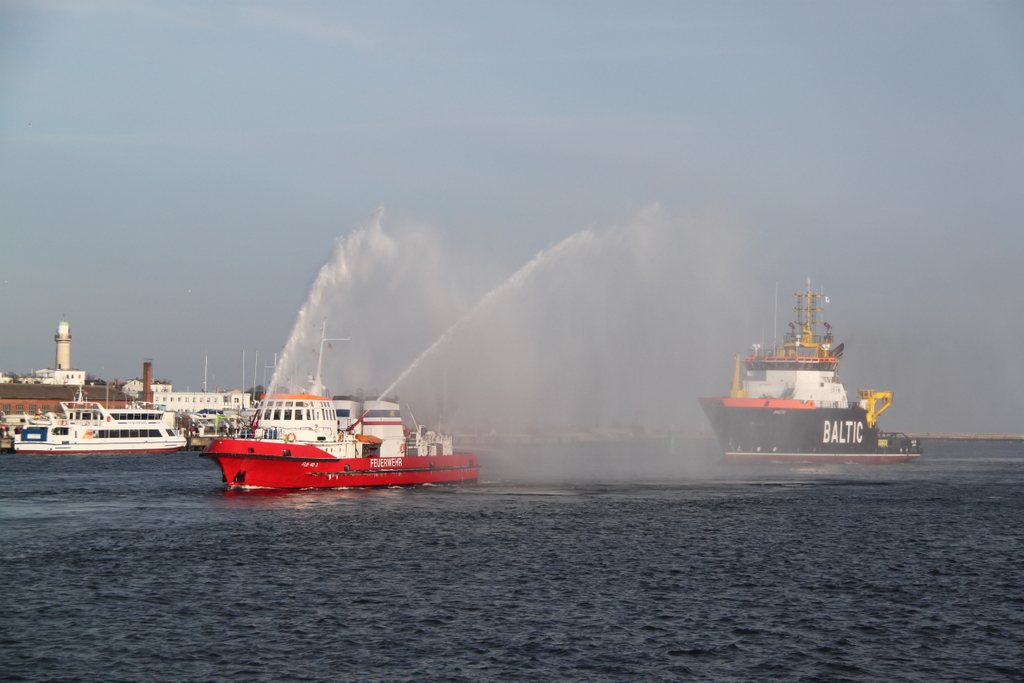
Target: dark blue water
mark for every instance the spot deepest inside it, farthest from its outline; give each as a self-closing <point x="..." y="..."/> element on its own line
<point x="141" y="568"/>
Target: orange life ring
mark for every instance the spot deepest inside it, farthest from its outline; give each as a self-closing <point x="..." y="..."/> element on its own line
<point x="290" y="438"/>
<point x="401" y="448"/>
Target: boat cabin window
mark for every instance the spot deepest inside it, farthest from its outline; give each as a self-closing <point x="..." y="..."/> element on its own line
<point x="287" y="414"/>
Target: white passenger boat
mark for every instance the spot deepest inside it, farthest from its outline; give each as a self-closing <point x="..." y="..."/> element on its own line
<point x="89" y="427"/>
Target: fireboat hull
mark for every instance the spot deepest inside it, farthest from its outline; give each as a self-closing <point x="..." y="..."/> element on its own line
<point x="790" y="431"/>
<point x="262" y="464"/>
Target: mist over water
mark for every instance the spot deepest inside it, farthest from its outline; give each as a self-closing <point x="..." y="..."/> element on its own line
<point x="388" y="293"/>
<point x="551" y="254"/>
<point x="618" y="326"/>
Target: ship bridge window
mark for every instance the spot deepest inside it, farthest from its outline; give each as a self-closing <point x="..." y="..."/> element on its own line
<point x="277" y="414"/>
<point x="289" y="404"/>
<point x="287" y="414"/>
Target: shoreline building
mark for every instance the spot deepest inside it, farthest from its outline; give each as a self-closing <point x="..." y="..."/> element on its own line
<point x="43" y="390"/>
<point x="162" y="395"/>
<point x="197" y="401"/>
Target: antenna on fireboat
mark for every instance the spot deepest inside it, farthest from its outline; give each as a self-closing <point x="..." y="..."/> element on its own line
<point x="316" y="387"/>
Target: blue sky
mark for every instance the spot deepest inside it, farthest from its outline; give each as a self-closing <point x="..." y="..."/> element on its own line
<point x="173" y="175"/>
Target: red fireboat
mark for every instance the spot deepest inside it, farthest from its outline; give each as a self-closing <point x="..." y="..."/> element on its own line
<point x="305" y="441"/>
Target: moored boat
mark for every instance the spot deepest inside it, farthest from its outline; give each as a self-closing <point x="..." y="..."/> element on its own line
<point x="90" y="427"/>
<point x="788" y="405"/>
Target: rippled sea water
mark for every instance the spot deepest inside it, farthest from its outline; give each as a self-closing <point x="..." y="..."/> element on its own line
<point x="142" y="568"/>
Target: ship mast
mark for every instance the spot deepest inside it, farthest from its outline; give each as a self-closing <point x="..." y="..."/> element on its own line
<point x="316" y="386"/>
<point x="808" y="314"/>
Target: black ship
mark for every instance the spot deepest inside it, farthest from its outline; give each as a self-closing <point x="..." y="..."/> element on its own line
<point x="790" y="407"/>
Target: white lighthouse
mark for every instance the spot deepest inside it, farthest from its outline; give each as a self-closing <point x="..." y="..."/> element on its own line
<point x="63" y="339"/>
<point x="62" y="372"/>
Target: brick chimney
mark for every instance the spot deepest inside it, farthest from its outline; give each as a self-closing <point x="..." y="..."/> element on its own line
<point x="147" y="380"/>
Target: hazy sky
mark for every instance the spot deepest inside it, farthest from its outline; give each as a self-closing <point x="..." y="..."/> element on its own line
<point x="173" y="176"/>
